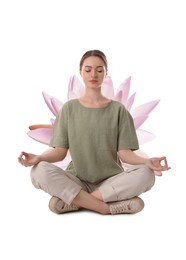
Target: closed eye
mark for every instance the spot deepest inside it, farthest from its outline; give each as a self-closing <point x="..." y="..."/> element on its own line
<point x="98" y="69"/>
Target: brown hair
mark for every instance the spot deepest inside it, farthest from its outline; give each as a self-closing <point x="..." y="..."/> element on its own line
<point x="96" y="53"/>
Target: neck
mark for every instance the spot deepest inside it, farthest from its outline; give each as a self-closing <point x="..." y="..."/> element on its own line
<point x="94" y="98"/>
<point x="92" y="95"/>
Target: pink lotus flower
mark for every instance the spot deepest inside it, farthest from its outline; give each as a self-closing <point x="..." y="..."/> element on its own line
<point x="43" y="132"/>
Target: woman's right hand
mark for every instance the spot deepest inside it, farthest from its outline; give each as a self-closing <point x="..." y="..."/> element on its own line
<point x="28" y="159"/>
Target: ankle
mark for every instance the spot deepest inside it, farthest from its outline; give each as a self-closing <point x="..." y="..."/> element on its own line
<point x="105" y="210"/>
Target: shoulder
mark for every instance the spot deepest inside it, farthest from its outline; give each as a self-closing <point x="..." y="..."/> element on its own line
<point x="118" y="105"/>
<point x="69" y="104"/>
<point x="67" y="107"/>
<point x="121" y="110"/>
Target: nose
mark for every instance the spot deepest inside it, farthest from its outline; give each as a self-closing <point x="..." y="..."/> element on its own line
<point x="93" y="73"/>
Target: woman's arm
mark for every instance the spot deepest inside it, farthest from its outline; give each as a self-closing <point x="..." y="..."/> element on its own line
<point x="54" y="154"/>
<point x="129" y="157"/>
<point x="155" y="163"/>
<point x="51" y="155"/>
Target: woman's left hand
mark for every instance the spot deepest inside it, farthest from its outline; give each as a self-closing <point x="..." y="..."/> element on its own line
<point x="158" y="163"/>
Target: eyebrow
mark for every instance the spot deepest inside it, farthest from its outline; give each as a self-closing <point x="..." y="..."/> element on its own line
<point x="96" y="67"/>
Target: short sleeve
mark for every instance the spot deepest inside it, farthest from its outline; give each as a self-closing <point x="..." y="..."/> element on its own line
<point x="127" y="137"/>
<point x="60" y="129"/>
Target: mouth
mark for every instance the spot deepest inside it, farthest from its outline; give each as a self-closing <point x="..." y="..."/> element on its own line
<point x="93" y="81"/>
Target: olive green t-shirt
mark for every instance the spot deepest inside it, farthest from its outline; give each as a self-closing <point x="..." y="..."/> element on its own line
<point x="93" y="137"/>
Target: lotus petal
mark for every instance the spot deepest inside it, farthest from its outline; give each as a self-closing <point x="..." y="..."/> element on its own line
<point x="124" y="87"/>
<point x="71" y="95"/>
<point x="48" y="100"/>
<point x="42" y="135"/>
<point x="57" y="105"/>
<point x="144" y="109"/>
<point x="52" y="121"/>
<point x="107" y="88"/>
<point x="139" y="120"/>
<point x="130" y="102"/>
<point x="76" y="87"/>
<point x="118" y="96"/>
<point x="144" y="136"/>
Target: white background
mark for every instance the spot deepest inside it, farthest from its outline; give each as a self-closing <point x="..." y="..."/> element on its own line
<point x="41" y="43"/>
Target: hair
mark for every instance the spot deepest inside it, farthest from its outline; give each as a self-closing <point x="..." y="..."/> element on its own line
<point x="96" y="53"/>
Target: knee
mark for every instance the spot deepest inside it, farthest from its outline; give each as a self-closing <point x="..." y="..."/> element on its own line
<point x="39" y="174"/>
<point x="148" y="177"/>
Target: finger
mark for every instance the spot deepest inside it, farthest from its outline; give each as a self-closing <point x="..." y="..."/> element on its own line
<point x="20" y="160"/>
<point x="158" y="173"/>
<point x="165" y="162"/>
<point x="24" y="154"/>
<point x="166" y="167"/>
<point x="21" y="155"/>
<point x="162" y="158"/>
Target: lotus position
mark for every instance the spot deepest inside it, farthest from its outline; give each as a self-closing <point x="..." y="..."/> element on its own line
<point x="100" y="136"/>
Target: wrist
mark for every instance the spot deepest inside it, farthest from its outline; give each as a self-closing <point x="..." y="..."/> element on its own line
<point x="146" y="161"/>
<point x="39" y="158"/>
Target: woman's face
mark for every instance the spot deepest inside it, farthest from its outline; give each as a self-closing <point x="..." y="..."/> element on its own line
<point x="93" y="72"/>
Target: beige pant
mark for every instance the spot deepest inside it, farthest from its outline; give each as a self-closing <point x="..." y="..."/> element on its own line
<point x="64" y="185"/>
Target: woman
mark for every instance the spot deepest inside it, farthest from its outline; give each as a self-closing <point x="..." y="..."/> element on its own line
<point x="100" y="134"/>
